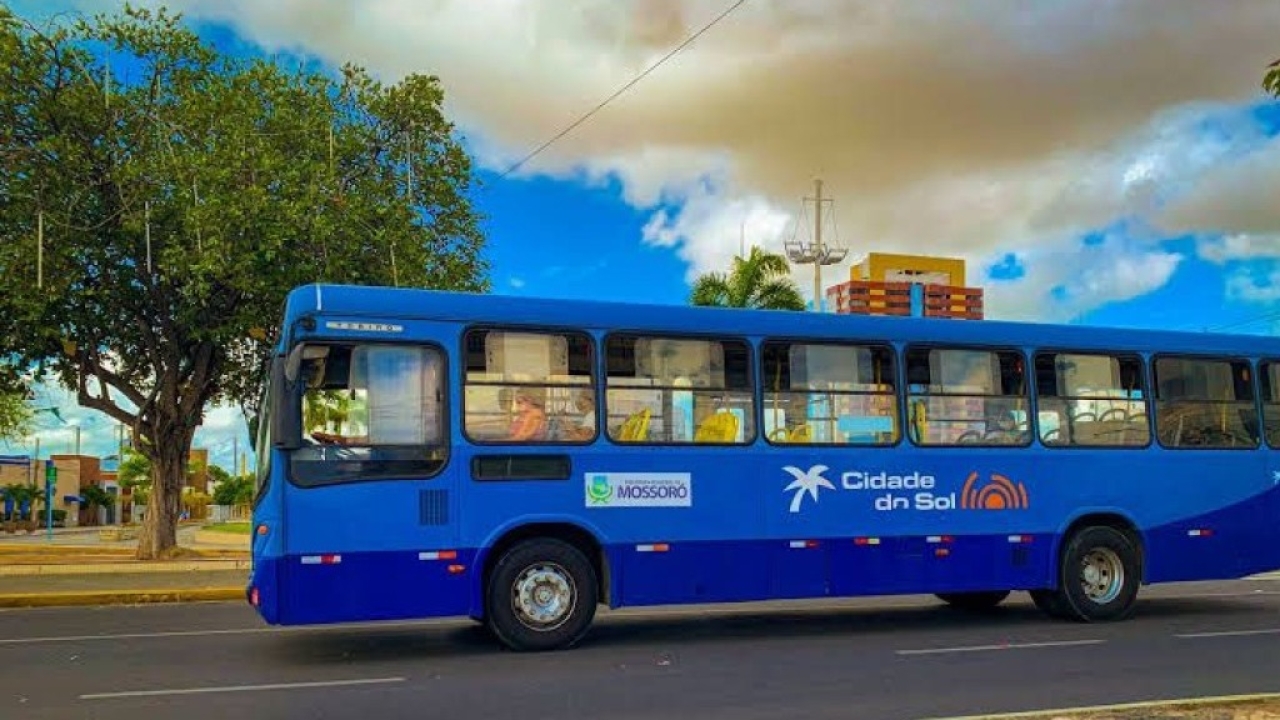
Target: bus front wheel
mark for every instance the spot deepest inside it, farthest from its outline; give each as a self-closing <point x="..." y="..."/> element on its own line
<point x="1098" y="578"/>
<point x="541" y="595"/>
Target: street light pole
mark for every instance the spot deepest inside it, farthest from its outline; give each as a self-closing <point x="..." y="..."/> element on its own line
<point x="817" y="252"/>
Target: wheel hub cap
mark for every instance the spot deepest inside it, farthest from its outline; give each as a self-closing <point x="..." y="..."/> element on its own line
<point x="543" y="597"/>
<point x="1101" y="575"/>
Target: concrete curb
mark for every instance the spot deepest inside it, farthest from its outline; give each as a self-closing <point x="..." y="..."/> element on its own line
<point x="137" y="566"/>
<point x="120" y="597"/>
<point x="1212" y="702"/>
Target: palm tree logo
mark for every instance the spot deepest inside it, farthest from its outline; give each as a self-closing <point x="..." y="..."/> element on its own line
<point x="806" y="482"/>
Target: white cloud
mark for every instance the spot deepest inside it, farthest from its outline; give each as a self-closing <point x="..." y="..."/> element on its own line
<point x="1248" y="285"/>
<point x="969" y="129"/>
<point x="1236" y="198"/>
<point x="1220" y="249"/>
<point x="1067" y="280"/>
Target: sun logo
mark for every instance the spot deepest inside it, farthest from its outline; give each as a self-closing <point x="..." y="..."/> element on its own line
<point x="998" y="493"/>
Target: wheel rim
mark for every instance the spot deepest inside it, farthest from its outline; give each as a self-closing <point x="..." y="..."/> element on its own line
<point x="543" y="597"/>
<point x="1101" y="575"/>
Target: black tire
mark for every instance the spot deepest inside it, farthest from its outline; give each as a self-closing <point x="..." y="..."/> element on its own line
<point x="562" y="565"/>
<point x="984" y="600"/>
<point x="1117" y="560"/>
<point x="1048" y="602"/>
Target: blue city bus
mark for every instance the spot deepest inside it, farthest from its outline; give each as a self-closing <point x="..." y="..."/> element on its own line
<point x="522" y="461"/>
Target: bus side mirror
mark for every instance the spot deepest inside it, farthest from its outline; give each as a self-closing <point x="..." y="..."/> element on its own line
<point x="286" y="416"/>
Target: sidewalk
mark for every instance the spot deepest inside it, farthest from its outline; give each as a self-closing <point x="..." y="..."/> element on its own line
<point x="122" y="588"/>
<point x="76" y="567"/>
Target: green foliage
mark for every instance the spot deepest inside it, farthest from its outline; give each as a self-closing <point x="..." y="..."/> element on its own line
<point x="134" y="470"/>
<point x="761" y="280"/>
<point x="15" y="415"/>
<point x="217" y="474"/>
<point x="96" y="496"/>
<point x="1271" y="80"/>
<point x="21" y="494"/>
<point x="178" y="209"/>
<point x="234" y="491"/>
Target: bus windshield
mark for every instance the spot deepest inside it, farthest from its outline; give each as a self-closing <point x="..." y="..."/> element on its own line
<point x="369" y="410"/>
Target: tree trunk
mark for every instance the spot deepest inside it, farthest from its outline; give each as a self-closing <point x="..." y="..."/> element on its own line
<point x="159" y="536"/>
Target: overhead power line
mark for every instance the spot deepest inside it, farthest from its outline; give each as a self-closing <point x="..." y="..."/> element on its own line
<point x="1265" y="317"/>
<point x="536" y="151"/>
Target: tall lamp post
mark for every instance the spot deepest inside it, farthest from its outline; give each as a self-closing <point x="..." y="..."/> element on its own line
<point x="817" y="252"/>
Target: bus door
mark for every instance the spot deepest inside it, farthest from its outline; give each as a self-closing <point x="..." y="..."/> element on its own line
<point x="372" y="479"/>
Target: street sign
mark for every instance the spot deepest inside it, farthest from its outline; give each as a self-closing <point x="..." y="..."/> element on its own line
<point x="50" y="482"/>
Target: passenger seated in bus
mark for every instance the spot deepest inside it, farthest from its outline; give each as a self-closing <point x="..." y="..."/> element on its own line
<point x="1001" y="423"/>
<point x="530" y="422"/>
<point x="584" y="401"/>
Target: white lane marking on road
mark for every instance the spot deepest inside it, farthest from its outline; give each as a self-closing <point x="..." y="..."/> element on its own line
<point x="227" y="631"/>
<point x="1214" y="594"/>
<point x="130" y="636"/>
<point x="240" y="688"/>
<point x="1003" y="646"/>
<point x="1228" y="633"/>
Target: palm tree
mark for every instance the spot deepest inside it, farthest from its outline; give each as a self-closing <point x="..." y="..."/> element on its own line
<point x="762" y="280"/>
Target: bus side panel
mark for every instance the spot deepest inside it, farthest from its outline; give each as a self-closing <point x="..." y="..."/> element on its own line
<point x="366" y="586"/>
<point x="800" y="568"/>
<point x="366" y="552"/>
<point x="1232" y="542"/>
<point x="938" y="563"/>
<point x="693" y="572"/>
<point x="263" y="586"/>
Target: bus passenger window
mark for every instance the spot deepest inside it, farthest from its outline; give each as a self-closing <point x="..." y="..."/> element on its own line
<point x="1091" y="400"/>
<point x="678" y="390"/>
<point x="528" y="387"/>
<point x="1205" y="403"/>
<point x="1269" y="376"/>
<point x="830" y="394"/>
<point x="961" y="396"/>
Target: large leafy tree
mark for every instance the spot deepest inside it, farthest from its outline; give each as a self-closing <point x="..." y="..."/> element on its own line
<point x="15" y="415"/>
<point x="1271" y="80"/>
<point x="761" y="280"/>
<point x="158" y="199"/>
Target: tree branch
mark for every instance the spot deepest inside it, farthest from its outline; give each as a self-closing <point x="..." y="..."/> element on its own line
<point x="107" y="379"/>
<point x="101" y="404"/>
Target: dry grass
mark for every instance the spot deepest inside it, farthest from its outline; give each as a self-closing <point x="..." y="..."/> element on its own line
<point x="1253" y="709"/>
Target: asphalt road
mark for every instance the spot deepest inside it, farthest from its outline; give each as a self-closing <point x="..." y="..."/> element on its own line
<point x="864" y="659"/>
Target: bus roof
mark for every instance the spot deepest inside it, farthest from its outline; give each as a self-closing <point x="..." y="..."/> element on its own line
<point x="370" y="302"/>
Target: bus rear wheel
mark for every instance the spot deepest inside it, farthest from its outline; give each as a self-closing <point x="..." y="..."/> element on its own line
<point x="1098" y="576"/>
<point x="541" y="595"/>
<point x="974" y="600"/>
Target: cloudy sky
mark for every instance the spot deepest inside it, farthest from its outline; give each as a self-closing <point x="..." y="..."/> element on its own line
<point x="1095" y="161"/>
